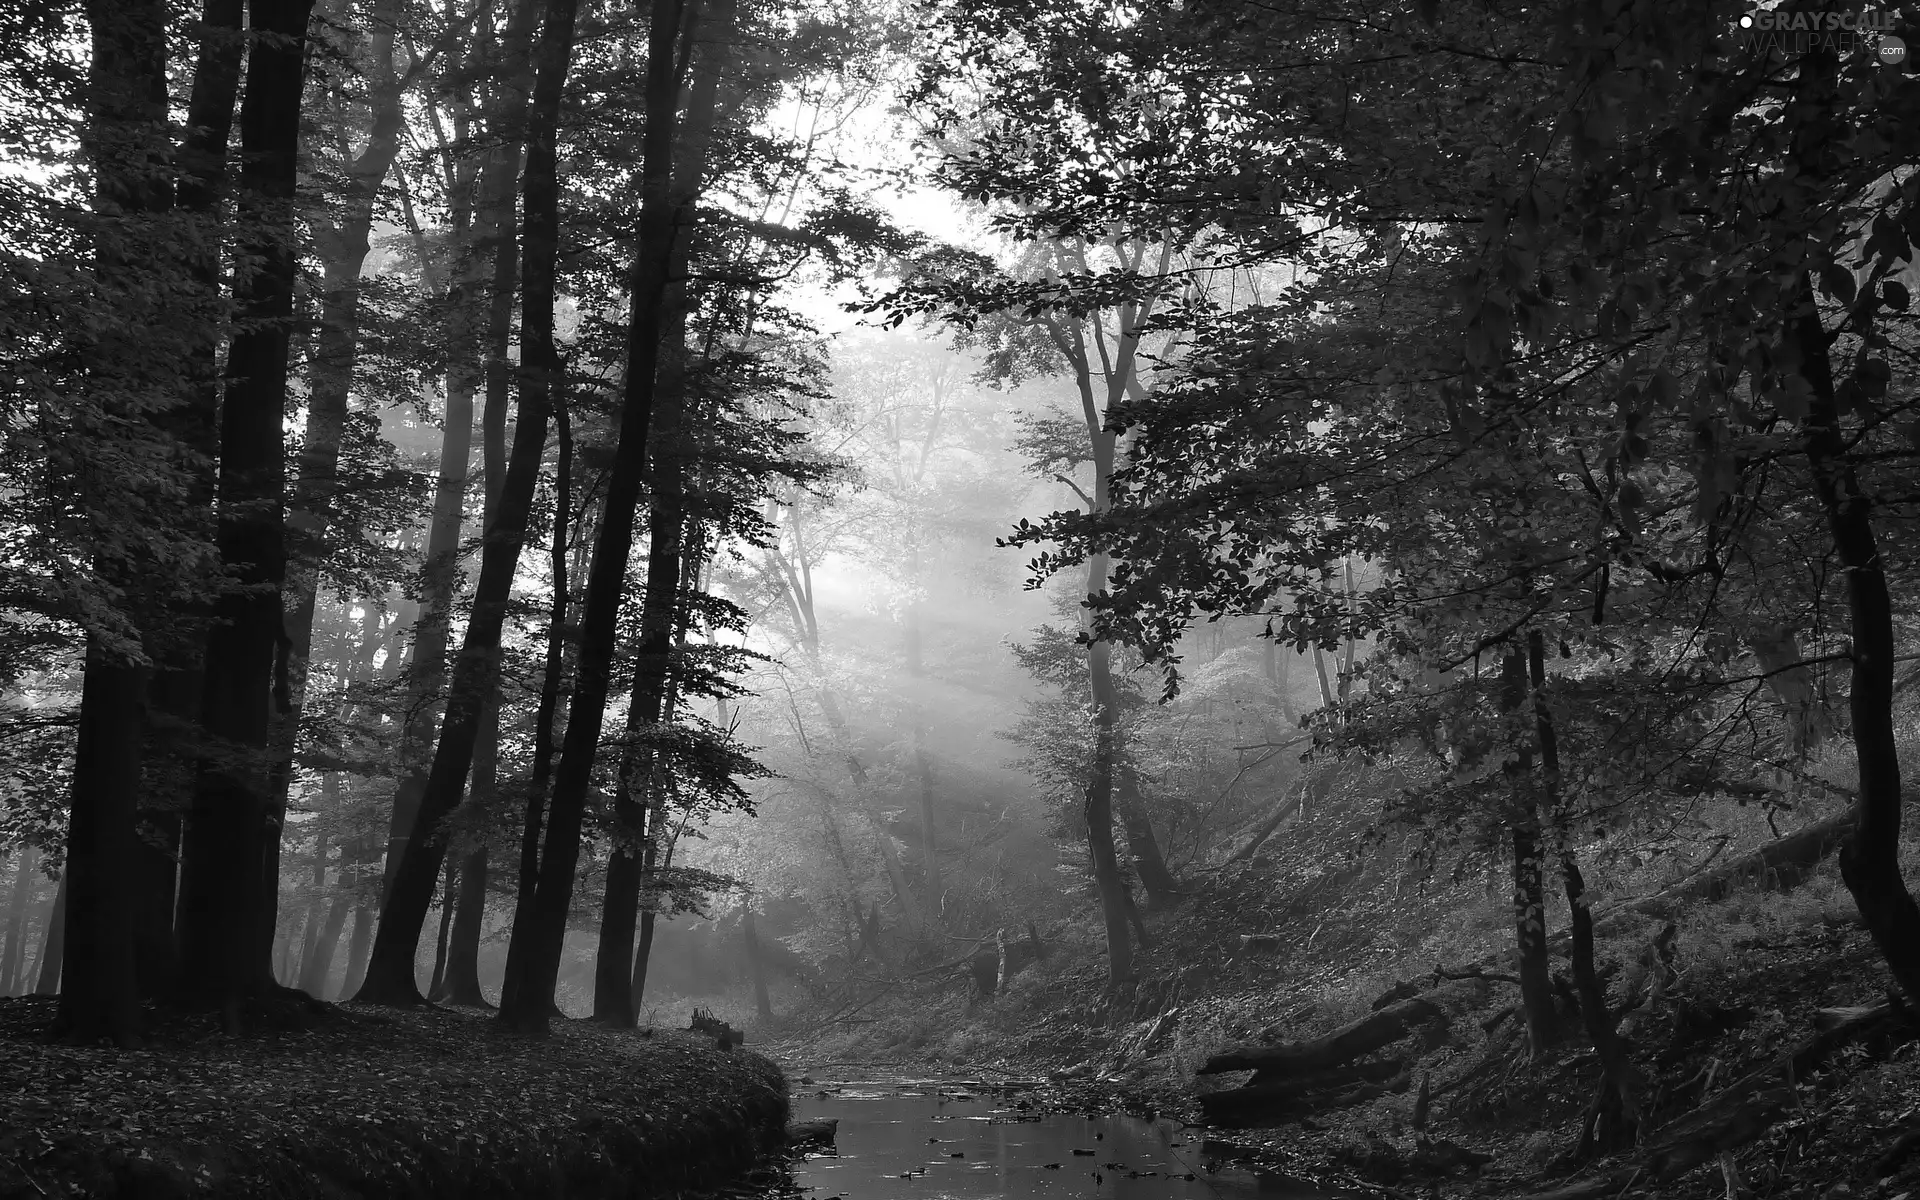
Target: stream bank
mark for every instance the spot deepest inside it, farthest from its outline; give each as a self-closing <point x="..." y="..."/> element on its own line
<point x="366" y="1102"/>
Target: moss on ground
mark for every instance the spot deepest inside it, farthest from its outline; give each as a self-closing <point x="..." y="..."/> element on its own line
<point x="369" y="1102"/>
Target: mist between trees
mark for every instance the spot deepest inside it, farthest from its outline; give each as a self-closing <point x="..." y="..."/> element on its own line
<point x="455" y="532"/>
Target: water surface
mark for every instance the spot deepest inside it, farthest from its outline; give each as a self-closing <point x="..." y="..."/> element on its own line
<point x="946" y="1140"/>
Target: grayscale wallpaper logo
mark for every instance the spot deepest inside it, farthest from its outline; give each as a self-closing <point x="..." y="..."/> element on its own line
<point x="1795" y="33"/>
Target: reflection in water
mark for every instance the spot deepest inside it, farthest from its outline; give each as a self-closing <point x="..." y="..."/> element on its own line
<point x="925" y="1140"/>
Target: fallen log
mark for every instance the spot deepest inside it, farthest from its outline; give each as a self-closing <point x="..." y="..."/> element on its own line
<point x="1780" y="864"/>
<point x="1368" y="1034"/>
<point x="1741" y="1112"/>
<point x="1269" y="1099"/>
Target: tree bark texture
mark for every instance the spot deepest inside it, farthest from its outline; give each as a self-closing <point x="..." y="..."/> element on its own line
<point x="53" y="950"/>
<point x="660" y="606"/>
<point x="533" y="957"/>
<point x="229" y="876"/>
<point x="390" y="977"/>
<point x="1529" y="873"/>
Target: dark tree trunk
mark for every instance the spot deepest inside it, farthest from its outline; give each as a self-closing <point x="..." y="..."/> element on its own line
<point x="124" y="140"/>
<point x="440" y="578"/>
<point x="319" y="964"/>
<point x="154" y="871"/>
<point x="100" y="997"/>
<point x="173" y="743"/>
<point x="495" y="235"/>
<point x="1115" y="904"/>
<point x="461" y="984"/>
<point x="231" y="851"/>
<point x="316" y="904"/>
<point x="390" y="978"/>
<point x="446" y="928"/>
<point x="551" y="680"/>
<point x="359" y="948"/>
<point x="613" y="998"/>
<point x="53" y="950"/>
<point x="533" y="957"/>
<point x="13" y="956"/>
<point x="1870" y="858"/>
<point x="1614" y="1121"/>
<point x="643" y="951"/>
<point x="1529" y="875"/>
<point x="1142" y="845"/>
<point x="343" y="246"/>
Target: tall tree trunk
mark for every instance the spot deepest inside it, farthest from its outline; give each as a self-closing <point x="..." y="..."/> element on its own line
<point x="1870" y="857"/>
<point x="1326" y="684"/>
<point x="229" y="891"/>
<point x="1614" y="1120"/>
<point x="12" y="976"/>
<point x="462" y="982"/>
<point x="551" y="681"/>
<point x="344" y="246"/>
<point x="1529" y="874"/>
<point x="533" y="955"/>
<point x="496" y="231"/>
<point x="173" y="748"/>
<point x="1142" y="846"/>
<point x="359" y="949"/>
<point x="446" y="928"/>
<point x="390" y="978"/>
<point x="53" y="950"/>
<point x="1115" y="905"/>
<point x="613" y="1001"/>
<point x="319" y="964"/>
<point x="316" y="904"/>
<point x="124" y="140"/>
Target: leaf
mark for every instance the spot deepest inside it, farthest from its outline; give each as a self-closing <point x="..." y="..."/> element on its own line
<point x="1837" y="282"/>
<point x="1893" y="294"/>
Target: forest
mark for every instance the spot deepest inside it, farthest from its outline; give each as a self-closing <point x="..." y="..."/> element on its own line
<point x="1118" y="544"/>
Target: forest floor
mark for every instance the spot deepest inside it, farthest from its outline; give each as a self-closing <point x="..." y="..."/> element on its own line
<point x="356" y="1101"/>
<point x="1753" y="974"/>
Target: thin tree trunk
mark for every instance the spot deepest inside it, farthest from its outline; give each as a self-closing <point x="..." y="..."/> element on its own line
<point x="390" y="978"/>
<point x="1142" y="846"/>
<point x="12" y="976"/>
<point x="533" y="956"/>
<point x="53" y="950"/>
<point x="1326" y="685"/>
<point x="316" y="904"/>
<point x="446" y="930"/>
<point x="344" y="247"/>
<point x="1529" y="872"/>
<point x="763" y="1004"/>
<point x="1115" y="905"/>
<point x="1615" y="1117"/>
<point x="229" y="892"/>
<point x="1353" y="643"/>
<point x="552" y="678"/>
<point x="313" y="975"/>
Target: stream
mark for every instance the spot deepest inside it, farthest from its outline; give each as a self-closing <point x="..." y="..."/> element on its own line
<point x="929" y="1139"/>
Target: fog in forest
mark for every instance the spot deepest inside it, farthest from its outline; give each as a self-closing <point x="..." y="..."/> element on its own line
<point x="617" y="600"/>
